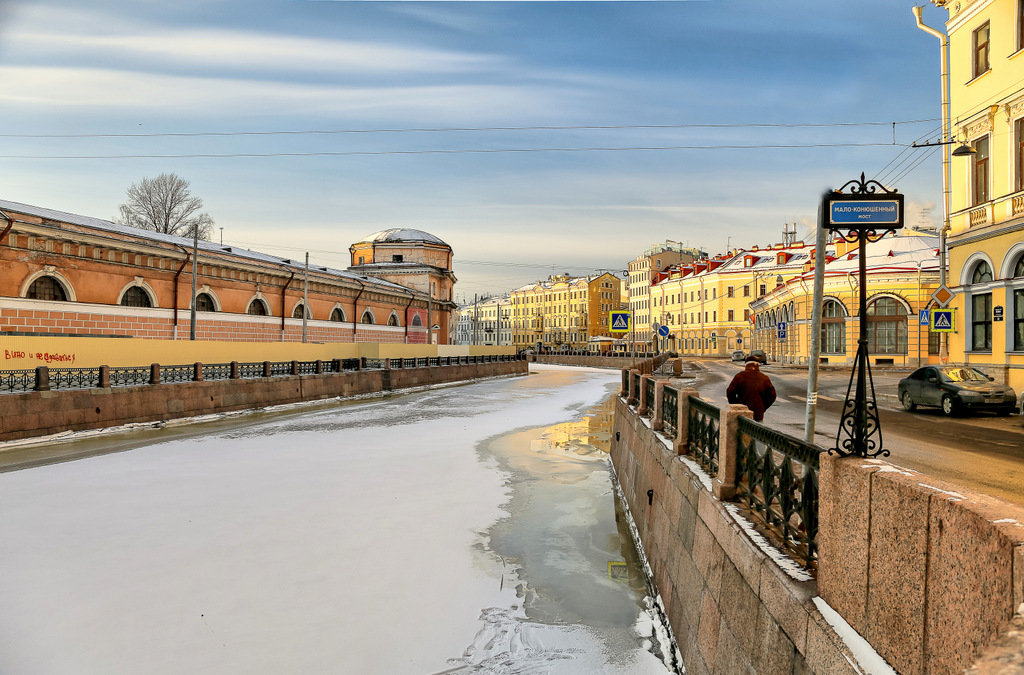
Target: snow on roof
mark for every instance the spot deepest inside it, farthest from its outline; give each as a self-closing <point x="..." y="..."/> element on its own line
<point x="404" y="234"/>
<point x="184" y="242"/>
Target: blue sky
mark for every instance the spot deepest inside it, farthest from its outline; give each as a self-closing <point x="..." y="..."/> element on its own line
<point x="129" y="68"/>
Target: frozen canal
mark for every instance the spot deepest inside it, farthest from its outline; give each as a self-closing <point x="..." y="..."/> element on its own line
<point x="468" y="529"/>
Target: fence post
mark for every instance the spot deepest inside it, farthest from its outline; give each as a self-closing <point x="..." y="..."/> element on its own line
<point x="336" y="365"/>
<point x="295" y="367"/>
<point x="319" y="367"/>
<point x="645" y="405"/>
<point x="624" y="386"/>
<point x="657" y="422"/>
<point x="236" y="371"/>
<point x="104" y="377"/>
<point x="682" y="444"/>
<point x="266" y="369"/>
<point x="42" y="378"/>
<point x="362" y="362"/>
<point x="197" y="372"/>
<point x="154" y="373"/>
<point x="632" y="387"/>
<point x="725" y="482"/>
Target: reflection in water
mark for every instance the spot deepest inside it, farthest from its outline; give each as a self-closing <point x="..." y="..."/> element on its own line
<point x="566" y="538"/>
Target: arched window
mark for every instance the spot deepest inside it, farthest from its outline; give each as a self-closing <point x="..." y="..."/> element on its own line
<point x="337" y="314"/>
<point x="416" y="320"/>
<point x="1018" y="269"/>
<point x="297" y="312"/>
<point x="392" y="320"/>
<point x="204" y="303"/>
<point x="136" y="296"/>
<point x="887" y="326"/>
<point x="982" y="273"/>
<point x="257" y="308"/>
<point x="833" y="328"/>
<point x="367" y="318"/>
<point x="46" y="288"/>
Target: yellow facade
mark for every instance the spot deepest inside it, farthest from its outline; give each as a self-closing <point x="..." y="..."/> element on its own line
<point x="986" y="235"/>
<point x="564" y="311"/>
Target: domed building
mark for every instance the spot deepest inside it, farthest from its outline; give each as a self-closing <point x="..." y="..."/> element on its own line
<point x="414" y="259"/>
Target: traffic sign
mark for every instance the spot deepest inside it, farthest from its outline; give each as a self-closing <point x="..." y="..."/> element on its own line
<point x="942" y="321"/>
<point x="663" y="331"/>
<point x="942" y="296"/>
<point x="782" y="330"/>
<point x="619" y="322"/>
<point x="871" y="212"/>
<point x="924" y="317"/>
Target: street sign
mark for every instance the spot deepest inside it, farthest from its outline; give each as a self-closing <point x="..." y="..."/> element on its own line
<point x="782" y="330"/>
<point x="739" y="341"/>
<point x="619" y="322"/>
<point x="942" y="321"/>
<point x="663" y="331"/>
<point x="942" y="296"/>
<point x="846" y="210"/>
<point x="997" y="313"/>
<point x="924" y="317"/>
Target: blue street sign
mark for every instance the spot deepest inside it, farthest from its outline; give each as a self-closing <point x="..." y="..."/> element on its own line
<point x="739" y="341"/>
<point x="663" y="331"/>
<point x="619" y="322"/>
<point x="782" y="331"/>
<point x="923" y="317"/>
<point x="942" y="321"/>
<point x="875" y="212"/>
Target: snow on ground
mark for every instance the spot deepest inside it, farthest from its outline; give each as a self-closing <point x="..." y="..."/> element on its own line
<point x="346" y="539"/>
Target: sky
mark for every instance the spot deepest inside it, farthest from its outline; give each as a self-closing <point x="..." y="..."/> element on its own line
<point x="535" y="138"/>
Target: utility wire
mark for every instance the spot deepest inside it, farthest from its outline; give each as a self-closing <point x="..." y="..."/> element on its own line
<point x="302" y="132"/>
<point x="461" y="151"/>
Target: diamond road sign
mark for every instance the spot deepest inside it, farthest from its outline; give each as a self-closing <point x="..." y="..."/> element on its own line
<point x="619" y="322"/>
<point x="942" y="296"/>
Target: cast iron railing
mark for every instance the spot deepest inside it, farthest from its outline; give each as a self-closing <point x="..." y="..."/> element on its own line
<point x="216" y="371"/>
<point x="249" y="371"/>
<point x="130" y="377"/>
<point x="669" y="411"/>
<point x="702" y="435"/>
<point x="307" y="367"/>
<point x="74" y="378"/>
<point x="17" y="380"/>
<point x="177" y="373"/>
<point x="777" y="478"/>
<point x="280" y="368"/>
<point x="649" y="396"/>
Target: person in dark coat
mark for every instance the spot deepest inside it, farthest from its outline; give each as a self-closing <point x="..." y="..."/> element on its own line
<point x="753" y="389"/>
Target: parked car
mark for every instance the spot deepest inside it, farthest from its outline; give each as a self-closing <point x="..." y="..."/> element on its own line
<point x="955" y="389"/>
<point x="1020" y="406"/>
<point x="758" y="355"/>
<point x="739" y="355"/>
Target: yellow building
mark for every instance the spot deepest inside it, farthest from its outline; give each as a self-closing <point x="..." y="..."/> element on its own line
<point x="643" y="271"/>
<point x="986" y="212"/>
<point x="902" y="274"/>
<point x="706" y="304"/>
<point x="563" y="311"/>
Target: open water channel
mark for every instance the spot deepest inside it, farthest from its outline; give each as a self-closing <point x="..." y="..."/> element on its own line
<point x="468" y="529"/>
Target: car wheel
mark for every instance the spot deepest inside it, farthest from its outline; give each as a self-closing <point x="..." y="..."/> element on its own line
<point x="908" y="402"/>
<point x="949" y="405"/>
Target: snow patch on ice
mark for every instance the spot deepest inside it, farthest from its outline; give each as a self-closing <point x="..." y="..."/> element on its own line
<point x="785" y="563"/>
<point x="865" y="654"/>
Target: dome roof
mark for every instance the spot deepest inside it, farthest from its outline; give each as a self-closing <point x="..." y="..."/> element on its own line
<point x="404" y="234"/>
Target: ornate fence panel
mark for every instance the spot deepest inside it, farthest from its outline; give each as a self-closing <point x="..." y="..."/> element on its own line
<point x="18" y="380"/>
<point x="669" y="411"/>
<point x="649" y="396"/>
<point x="250" y="371"/>
<point x="216" y="371"/>
<point x="129" y="377"/>
<point x="177" y="373"/>
<point x="307" y="367"/>
<point x="280" y="368"/>
<point x="74" y="378"/>
<point x="375" y="363"/>
<point x="703" y="434"/>
<point x="350" y="364"/>
<point x="777" y="478"/>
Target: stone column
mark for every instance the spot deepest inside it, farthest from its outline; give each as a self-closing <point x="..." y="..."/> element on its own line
<point x="197" y="372"/>
<point x="42" y="378"/>
<point x="235" y="370"/>
<point x="682" y="444"/>
<point x="725" y="482"/>
<point x="104" y="377"/>
<point x="154" y="373"/>
<point x="657" y="423"/>
<point x="624" y="386"/>
<point x="632" y="387"/>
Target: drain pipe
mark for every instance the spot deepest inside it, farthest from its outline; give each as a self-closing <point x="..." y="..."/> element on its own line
<point x="355" y="310"/>
<point x="947" y="136"/>
<point x="188" y="256"/>
<point x="284" y="301"/>
<point x="10" y="224"/>
<point x="406" y="318"/>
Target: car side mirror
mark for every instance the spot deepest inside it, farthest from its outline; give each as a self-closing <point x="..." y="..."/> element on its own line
<point x="991" y="379"/>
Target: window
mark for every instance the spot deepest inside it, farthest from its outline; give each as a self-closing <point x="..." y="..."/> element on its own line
<point x="731" y="317"/>
<point x="887" y="327"/>
<point x="934" y="342"/>
<point x="257" y="308"/>
<point x="981" y="50"/>
<point x="1018" y="319"/>
<point x="980" y="177"/>
<point x="337" y="314"/>
<point x="204" y="303"/>
<point x="1018" y="134"/>
<point x="763" y="289"/>
<point x="362" y="260"/>
<point x="982" y="273"/>
<point x="1020" y="24"/>
<point x="297" y="312"/>
<point x="416" y="320"/>
<point x="833" y="328"/>
<point x="981" y="322"/>
<point x="46" y="288"/>
<point x="367" y="318"/>
<point x="136" y="297"/>
<point x="396" y="258"/>
<point x="746" y="291"/>
<point x="729" y="292"/>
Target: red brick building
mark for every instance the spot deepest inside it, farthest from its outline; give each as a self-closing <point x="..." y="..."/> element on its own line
<point x="66" y="274"/>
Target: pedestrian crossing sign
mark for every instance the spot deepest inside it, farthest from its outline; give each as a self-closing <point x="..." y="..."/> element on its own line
<point x="619" y="322"/>
<point x="942" y="321"/>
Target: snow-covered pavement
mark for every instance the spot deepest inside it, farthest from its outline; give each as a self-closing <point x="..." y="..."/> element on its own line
<point x="440" y="531"/>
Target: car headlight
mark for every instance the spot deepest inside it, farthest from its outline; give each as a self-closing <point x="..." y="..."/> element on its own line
<point x="964" y="394"/>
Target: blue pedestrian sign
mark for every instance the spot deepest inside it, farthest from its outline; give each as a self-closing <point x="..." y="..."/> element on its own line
<point x="782" y="331"/>
<point x="942" y="321"/>
<point x="924" y="317"/>
<point x="619" y="322"/>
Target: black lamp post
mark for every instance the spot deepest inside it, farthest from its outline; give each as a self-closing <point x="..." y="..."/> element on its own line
<point x="867" y="212"/>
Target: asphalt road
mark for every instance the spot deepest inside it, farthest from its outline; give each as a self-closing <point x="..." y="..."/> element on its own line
<point x="982" y="453"/>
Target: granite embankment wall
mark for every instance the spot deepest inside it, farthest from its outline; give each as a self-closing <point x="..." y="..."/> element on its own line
<point x="929" y="575"/>
<point x="38" y="413"/>
<point x="616" y="362"/>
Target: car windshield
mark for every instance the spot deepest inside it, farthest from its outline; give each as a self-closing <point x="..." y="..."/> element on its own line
<point x="963" y="375"/>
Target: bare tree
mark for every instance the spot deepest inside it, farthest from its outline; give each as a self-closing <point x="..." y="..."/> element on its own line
<point x="165" y="204"/>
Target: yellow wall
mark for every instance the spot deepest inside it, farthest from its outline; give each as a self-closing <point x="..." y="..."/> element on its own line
<point x="21" y="352"/>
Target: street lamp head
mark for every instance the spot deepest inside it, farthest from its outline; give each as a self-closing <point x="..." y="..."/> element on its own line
<point x="964" y="151"/>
